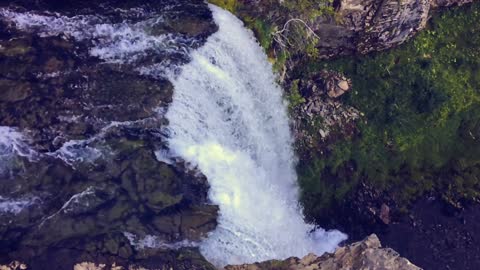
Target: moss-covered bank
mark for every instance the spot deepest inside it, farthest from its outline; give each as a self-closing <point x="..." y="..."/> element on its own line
<point x="421" y="130"/>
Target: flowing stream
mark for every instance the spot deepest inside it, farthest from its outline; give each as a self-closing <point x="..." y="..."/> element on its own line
<point x="229" y="119"/>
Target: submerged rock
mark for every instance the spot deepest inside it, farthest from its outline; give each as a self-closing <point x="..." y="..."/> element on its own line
<point x="363" y="255"/>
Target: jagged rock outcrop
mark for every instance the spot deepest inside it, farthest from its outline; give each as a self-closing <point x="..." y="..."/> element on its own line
<point x="357" y="26"/>
<point x="379" y="25"/>
<point x="373" y="25"/>
<point x="364" y="255"/>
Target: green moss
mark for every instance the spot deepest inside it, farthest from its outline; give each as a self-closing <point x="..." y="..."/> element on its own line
<point x="267" y="17"/>
<point x="262" y="29"/>
<point x="421" y="130"/>
<point x="229" y="5"/>
<point x="294" y="97"/>
<point x="309" y="8"/>
<point x="280" y="61"/>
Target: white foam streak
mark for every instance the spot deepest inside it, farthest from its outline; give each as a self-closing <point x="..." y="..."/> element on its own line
<point x="16" y="206"/>
<point x="152" y="241"/>
<point x="116" y="43"/>
<point x="77" y="151"/>
<point x="228" y="118"/>
<point x="13" y="142"/>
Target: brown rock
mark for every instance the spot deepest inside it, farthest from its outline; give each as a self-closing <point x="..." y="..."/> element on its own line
<point x="343" y="85"/>
<point x="334" y="83"/>
<point x="12" y="91"/>
<point x="15" y="265"/>
<point x="385" y="214"/>
<point x="364" y="255"/>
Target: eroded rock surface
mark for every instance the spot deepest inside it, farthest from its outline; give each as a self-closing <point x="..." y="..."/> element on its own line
<point x="363" y="255"/>
<point x="356" y="27"/>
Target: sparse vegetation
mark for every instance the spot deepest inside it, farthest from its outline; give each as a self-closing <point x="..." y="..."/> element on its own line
<point x="229" y="5"/>
<point x="294" y="97"/>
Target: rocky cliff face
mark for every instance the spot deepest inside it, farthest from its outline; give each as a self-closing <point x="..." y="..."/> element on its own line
<point x="375" y="25"/>
<point x="364" y="255"/>
<point x="379" y="25"/>
<point x="351" y="26"/>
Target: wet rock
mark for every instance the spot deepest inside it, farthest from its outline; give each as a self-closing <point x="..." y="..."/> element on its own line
<point x="93" y="127"/>
<point x="12" y="91"/>
<point x="181" y="259"/>
<point x="198" y="221"/>
<point x="363" y="255"/>
<point x="15" y="48"/>
<point x="62" y="83"/>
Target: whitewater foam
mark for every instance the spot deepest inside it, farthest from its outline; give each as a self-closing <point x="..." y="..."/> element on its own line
<point x="152" y="241"/>
<point x="123" y="42"/>
<point x="14" y="143"/>
<point x="16" y="206"/>
<point x="229" y="119"/>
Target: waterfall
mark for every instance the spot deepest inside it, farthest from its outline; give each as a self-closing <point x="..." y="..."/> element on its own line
<point x="228" y="118"/>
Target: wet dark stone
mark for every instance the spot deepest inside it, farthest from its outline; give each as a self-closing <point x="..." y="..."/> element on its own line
<point x="54" y="91"/>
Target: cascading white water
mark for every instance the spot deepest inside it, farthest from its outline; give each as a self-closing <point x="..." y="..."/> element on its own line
<point x="228" y="118"/>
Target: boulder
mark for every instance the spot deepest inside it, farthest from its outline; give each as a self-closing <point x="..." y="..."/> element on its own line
<point x="334" y="83"/>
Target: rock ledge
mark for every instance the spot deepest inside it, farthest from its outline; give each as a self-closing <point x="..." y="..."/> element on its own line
<point x="363" y="255"/>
